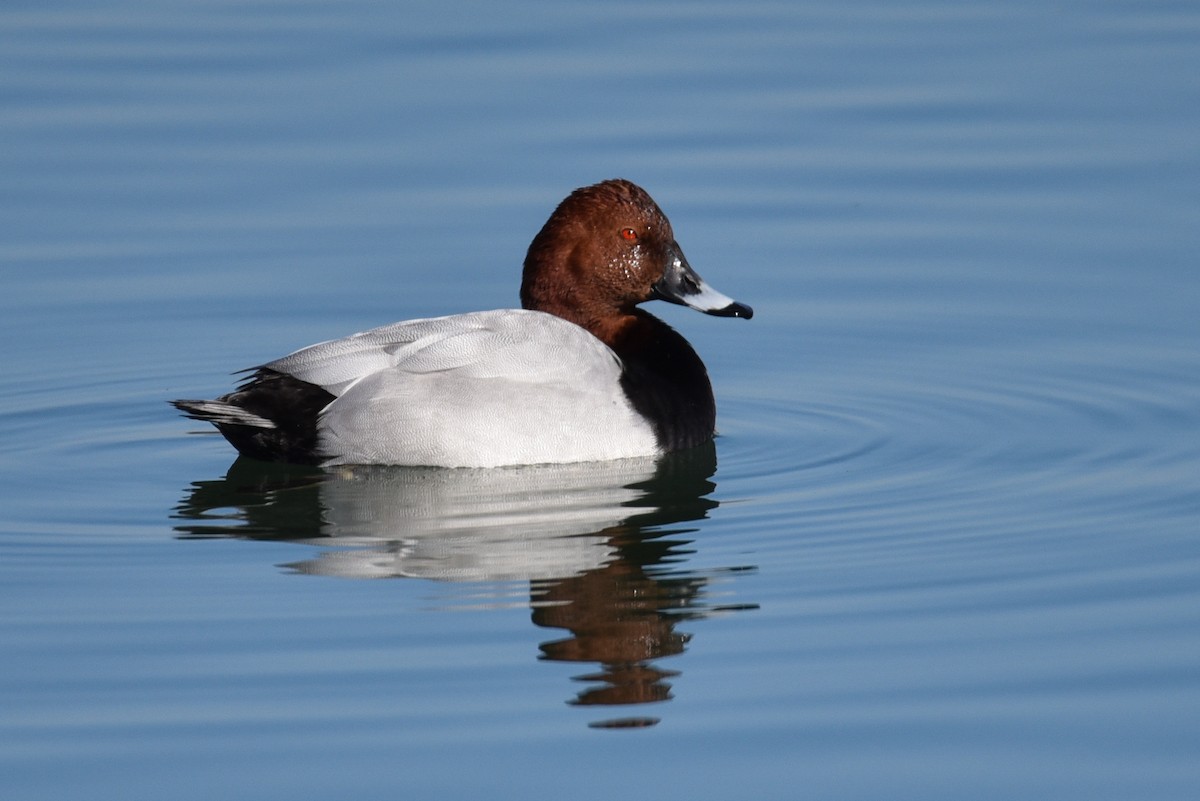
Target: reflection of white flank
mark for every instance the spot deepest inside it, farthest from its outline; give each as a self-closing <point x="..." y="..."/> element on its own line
<point x="475" y="525"/>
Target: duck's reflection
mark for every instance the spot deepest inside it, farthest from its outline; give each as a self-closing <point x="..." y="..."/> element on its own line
<point x="600" y="544"/>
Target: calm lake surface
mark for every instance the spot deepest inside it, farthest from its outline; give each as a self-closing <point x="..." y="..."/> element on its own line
<point x="947" y="545"/>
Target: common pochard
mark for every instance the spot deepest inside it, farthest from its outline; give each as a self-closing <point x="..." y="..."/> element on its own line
<point x="580" y="373"/>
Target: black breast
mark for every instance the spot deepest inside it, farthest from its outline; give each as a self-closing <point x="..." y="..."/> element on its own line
<point x="666" y="382"/>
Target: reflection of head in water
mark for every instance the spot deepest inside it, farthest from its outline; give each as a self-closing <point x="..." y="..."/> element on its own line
<point x="621" y="616"/>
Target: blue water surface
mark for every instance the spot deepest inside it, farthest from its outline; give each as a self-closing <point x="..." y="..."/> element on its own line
<point x="946" y="546"/>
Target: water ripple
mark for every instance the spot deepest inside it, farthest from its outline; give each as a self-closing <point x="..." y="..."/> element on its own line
<point x="970" y="467"/>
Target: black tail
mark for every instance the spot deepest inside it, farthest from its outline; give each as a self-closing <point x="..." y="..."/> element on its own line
<point x="271" y="417"/>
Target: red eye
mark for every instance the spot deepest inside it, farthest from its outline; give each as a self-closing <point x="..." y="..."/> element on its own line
<point x="629" y="234"/>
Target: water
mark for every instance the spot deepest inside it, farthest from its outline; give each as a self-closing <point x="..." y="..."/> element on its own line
<point x="946" y="545"/>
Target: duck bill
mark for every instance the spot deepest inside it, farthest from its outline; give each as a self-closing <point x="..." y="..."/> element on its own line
<point x="680" y="284"/>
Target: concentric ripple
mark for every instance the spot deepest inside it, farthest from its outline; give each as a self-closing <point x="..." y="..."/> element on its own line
<point x="979" y="458"/>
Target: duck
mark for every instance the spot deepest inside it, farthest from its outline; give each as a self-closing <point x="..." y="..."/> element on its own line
<point x="579" y="373"/>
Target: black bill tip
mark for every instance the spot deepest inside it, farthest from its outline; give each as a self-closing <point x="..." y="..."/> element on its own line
<point x="734" y="309"/>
